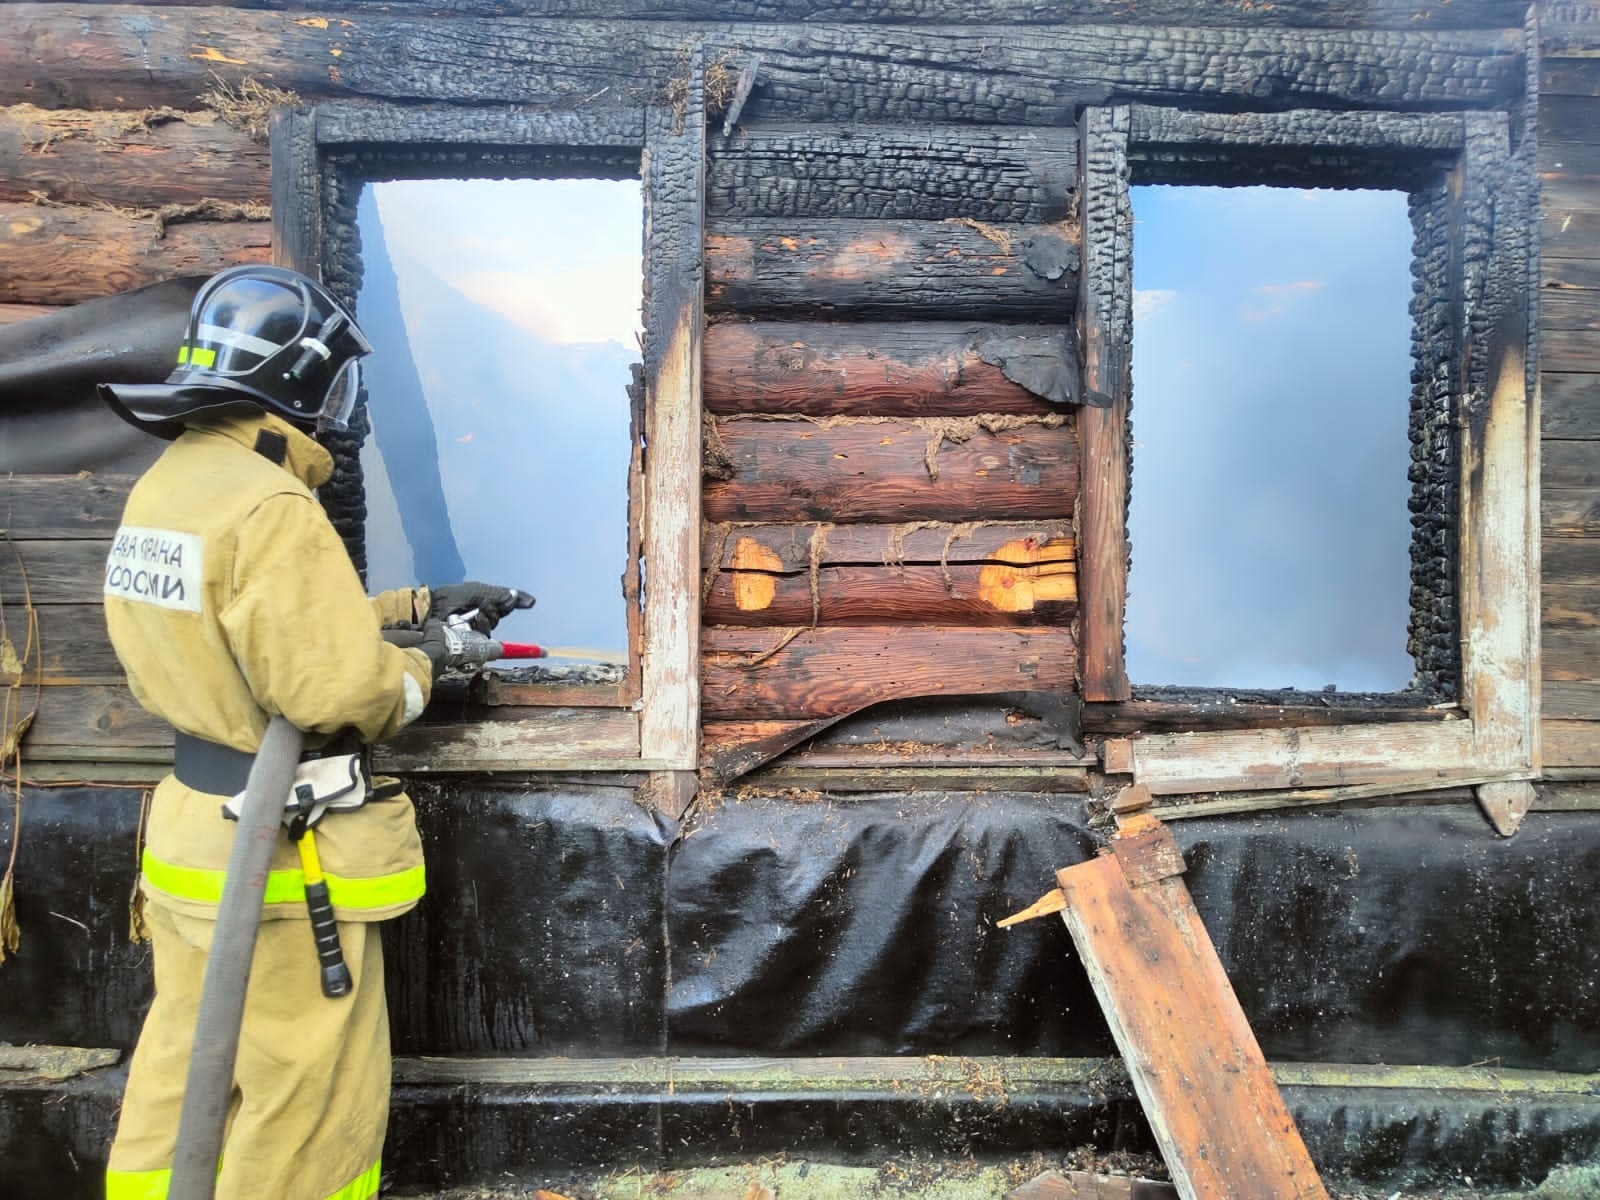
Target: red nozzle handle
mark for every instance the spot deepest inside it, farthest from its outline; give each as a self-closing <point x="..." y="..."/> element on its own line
<point x="521" y="650"/>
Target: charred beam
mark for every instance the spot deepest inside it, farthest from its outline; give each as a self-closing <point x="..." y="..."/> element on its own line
<point x="116" y="56"/>
<point x="759" y="675"/>
<point x="947" y="269"/>
<point x="870" y="470"/>
<point x="882" y="369"/>
<point x="67" y="255"/>
<point x="886" y="172"/>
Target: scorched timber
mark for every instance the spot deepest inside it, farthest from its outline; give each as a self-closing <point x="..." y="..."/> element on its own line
<point x="761" y="675"/>
<point x="128" y="160"/>
<point x="69" y="255"/>
<point x="885" y="471"/>
<point x="944" y="269"/>
<point x="120" y="56"/>
<point x="875" y="368"/>
<point x="885" y="172"/>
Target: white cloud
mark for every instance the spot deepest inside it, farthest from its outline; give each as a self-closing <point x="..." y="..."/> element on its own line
<point x="1147" y="302"/>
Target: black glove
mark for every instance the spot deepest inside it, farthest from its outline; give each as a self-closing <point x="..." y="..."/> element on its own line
<point x="485" y="601"/>
<point x="429" y="637"/>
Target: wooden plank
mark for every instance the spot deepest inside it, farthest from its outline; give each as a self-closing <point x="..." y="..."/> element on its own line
<point x="1571" y="405"/>
<point x="914" y="543"/>
<point x="65" y="255"/>
<point x="71" y="646"/>
<point x="1107" y="323"/>
<point x="297" y="199"/>
<point x="1204" y="710"/>
<point x="948" y="270"/>
<point x="874" y="172"/>
<point x="800" y="674"/>
<point x="1569" y="231"/>
<point x="1569" y="273"/>
<point x="1567" y="26"/>
<point x="1570" y="512"/>
<point x="53" y="571"/>
<point x="1570" y="309"/>
<point x="62" y="506"/>
<point x="1569" y="744"/>
<point x="1576" y="700"/>
<point x="1569" y="464"/>
<point x="1569" y="349"/>
<point x="1408" y="755"/>
<point x="593" y="739"/>
<point x="1570" y="654"/>
<point x="1568" y="76"/>
<point x="1314" y="14"/>
<point x="886" y="369"/>
<point x="1570" y="560"/>
<point x="101" y="722"/>
<point x="772" y="575"/>
<point x="864" y="470"/>
<point x="128" y="159"/>
<point x="963" y="594"/>
<point x="122" y="56"/>
<point x="1211" y="1102"/>
<point x="674" y="189"/>
<point x="731" y="749"/>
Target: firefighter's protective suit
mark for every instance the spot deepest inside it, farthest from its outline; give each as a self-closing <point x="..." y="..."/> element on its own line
<point x="230" y="597"/>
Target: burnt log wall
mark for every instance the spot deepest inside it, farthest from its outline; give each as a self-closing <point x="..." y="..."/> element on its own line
<point x="1569" y="335"/>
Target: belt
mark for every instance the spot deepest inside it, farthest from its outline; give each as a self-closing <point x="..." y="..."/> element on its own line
<point x="210" y="766"/>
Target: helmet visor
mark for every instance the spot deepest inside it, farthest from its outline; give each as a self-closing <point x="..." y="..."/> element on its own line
<point x="340" y="401"/>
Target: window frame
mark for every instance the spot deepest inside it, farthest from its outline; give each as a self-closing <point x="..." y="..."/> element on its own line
<point x="653" y="726"/>
<point x="1488" y="738"/>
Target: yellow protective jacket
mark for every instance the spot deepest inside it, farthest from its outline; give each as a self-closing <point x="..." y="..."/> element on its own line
<point x="229" y="597"/>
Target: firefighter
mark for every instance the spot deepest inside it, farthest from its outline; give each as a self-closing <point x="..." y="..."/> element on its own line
<point x="229" y="597"/>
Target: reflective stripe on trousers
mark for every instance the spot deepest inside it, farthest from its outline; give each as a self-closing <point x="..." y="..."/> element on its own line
<point x="153" y="1185"/>
<point x="287" y="886"/>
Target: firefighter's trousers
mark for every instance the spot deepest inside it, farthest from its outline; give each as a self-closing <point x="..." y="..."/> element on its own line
<point x="311" y="1084"/>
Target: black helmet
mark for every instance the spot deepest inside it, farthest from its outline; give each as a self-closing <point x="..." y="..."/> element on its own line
<point x="259" y="337"/>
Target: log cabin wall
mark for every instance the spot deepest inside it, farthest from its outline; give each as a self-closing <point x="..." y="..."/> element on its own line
<point x="1569" y="335"/>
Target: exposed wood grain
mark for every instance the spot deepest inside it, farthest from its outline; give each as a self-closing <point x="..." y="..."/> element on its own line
<point x="902" y="368"/>
<point x="1569" y="464"/>
<point x="731" y="749"/>
<point x="568" y="739"/>
<point x="1570" y="405"/>
<point x="851" y="471"/>
<point x="1212" y="710"/>
<point x="1570" y="654"/>
<point x="1570" y="309"/>
<point x="1569" y="231"/>
<point x="1258" y="760"/>
<point x="1106" y="317"/>
<point x="1570" y="560"/>
<point x="67" y="255"/>
<point x="1577" y="700"/>
<point x="862" y="171"/>
<point x="674" y="177"/>
<point x="1570" y="512"/>
<point x="128" y="159"/>
<point x="53" y="571"/>
<point x="1568" y="349"/>
<point x="931" y="269"/>
<point x="752" y="675"/>
<point x="123" y="56"/>
<point x="1505" y="803"/>
<point x="72" y="647"/>
<point x="1568" y="744"/>
<point x="1177" y="1022"/>
<point x="62" y="506"/>
<point x="102" y="722"/>
<point x="10" y="314"/>
<point x="1569" y="604"/>
<point x="1568" y="76"/>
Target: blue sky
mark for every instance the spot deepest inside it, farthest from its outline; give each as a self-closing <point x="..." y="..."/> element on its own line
<point x="1271" y="386"/>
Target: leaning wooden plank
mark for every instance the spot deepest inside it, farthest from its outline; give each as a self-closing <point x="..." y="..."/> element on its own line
<point x="729" y="749"/>
<point x="123" y="55"/>
<point x="67" y="255"/>
<point x="802" y="674"/>
<point x="931" y="269"/>
<point x="128" y="159"/>
<point x="889" y="172"/>
<point x="1275" y="759"/>
<point x="1207" y="1093"/>
<point x="860" y="470"/>
<point x="886" y="369"/>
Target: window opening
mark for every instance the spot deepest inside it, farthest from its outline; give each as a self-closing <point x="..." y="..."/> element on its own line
<point x="505" y="320"/>
<point x="1271" y="370"/>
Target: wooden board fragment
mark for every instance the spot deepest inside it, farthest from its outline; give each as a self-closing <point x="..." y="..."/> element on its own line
<point x="1207" y="1093"/>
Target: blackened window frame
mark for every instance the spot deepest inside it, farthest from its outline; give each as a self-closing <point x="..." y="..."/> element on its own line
<point x="322" y="155"/>
<point x="1473" y="715"/>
